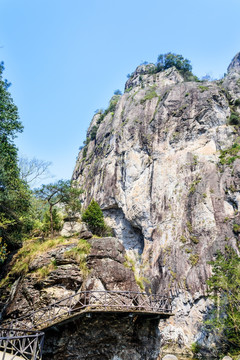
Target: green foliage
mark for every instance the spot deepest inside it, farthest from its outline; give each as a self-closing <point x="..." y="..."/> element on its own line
<point x="138" y="270"/>
<point x="79" y="253"/>
<point x="189" y="226"/>
<point x="150" y="94"/>
<point x="29" y="251"/>
<point x="14" y="193"/>
<point x="236" y="228"/>
<point x="117" y="92"/>
<point x="113" y="103"/>
<point x="56" y="222"/>
<point x="93" y="216"/>
<point x="194" y="258"/>
<point x="224" y="289"/>
<point x="194" y="239"/>
<point x="203" y="88"/>
<point x="166" y="61"/>
<point x="43" y="272"/>
<point x="229" y="155"/>
<point x="237" y="102"/>
<point x="195" y="348"/>
<point x="194" y="184"/>
<point x="3" y="251"/>
<point x="62" y="192"/>
<point x="183" y="239"/>
<point x="234" y="118"/>
<point x="93" y="132"/>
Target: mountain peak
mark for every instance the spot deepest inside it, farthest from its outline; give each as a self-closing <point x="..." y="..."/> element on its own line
<point x="235" y="63"/>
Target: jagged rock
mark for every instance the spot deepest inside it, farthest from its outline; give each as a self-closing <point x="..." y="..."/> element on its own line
<point x="235" y="63"/>
<point x="85" y="235"/>
<point x="73" y="227"/>
<point x="65" y="277"/>
<point x="104" y="337"/>
<point x="156" y="173"/>
<point x="97" y="335"/>
<point x="107" y="261"/>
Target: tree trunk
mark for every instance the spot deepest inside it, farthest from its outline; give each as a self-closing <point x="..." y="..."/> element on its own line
<point x="51" y="220"/>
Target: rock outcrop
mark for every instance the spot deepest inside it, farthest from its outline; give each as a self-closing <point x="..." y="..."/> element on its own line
<point x="153" y="164"/>
<point x="101" y="335"/>
<point x="103" y="269"/>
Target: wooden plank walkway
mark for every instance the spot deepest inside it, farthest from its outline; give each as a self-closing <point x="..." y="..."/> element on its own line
<point x="101" y="301"/>
<point x="26" y="342"/>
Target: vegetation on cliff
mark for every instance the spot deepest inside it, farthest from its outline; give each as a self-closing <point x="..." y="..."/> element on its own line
<point x="224" y="288"/>
<point x="93" y="216"/>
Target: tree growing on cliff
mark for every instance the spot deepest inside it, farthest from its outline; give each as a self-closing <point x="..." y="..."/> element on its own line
<point x="166" y="61"/>
<point x="224" y="289"/>
<point x="61" y="192"/>
<point x="93" y="216"/>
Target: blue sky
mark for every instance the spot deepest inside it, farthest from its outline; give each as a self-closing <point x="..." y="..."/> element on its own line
<point x="65" y="58"/>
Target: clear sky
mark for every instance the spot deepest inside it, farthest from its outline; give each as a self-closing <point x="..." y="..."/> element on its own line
<point x="65" y="58"/>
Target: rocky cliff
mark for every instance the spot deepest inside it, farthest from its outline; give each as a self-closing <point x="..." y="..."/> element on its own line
<point x="161" y="163"/>
<point x="59" y="268"/>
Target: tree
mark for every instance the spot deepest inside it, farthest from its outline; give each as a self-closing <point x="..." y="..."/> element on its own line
<point x="93" y="216"/>
<point x="224" y="289"/>
<point x="32" y="170"/>
<point x="14" y="194"/>
<point x="169" y="60"/>
<point x="62" y="193"/>
<point x="117" y="92"/>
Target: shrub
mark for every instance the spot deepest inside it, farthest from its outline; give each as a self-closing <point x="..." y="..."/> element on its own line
<point x="236" y="228"/>
<point x="79" y="253"/>
<point x="93" y="132"/>
<point x="203" y="88"/>
<point x="234" y="118"/>
<point x="150" y="94"/>
<point x="228" y="156"/>
<point x="57" y="222"/>
<point x="223" y="287"/>
<point x="194" y="258"/>
<point x="117" y="92"/>
<point x="93" y="216"/>
<point x="237" y="102"/>
<point x="3" y="251"/>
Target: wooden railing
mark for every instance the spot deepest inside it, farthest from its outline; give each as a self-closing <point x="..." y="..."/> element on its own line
<point x="105" y="301"/>
<point x="20" y="344"/>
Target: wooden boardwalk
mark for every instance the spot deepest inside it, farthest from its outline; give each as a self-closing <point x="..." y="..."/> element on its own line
<point x="70" y="308"/>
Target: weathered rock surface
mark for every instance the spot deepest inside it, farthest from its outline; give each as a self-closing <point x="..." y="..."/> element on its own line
<point x="72" y="227"/>
<point x="154" y="168"/>
<point x="115" y="337"/>
<point x="98" y="335"/>
<point x="106" y="272"/>
<point x="235" y="63"/>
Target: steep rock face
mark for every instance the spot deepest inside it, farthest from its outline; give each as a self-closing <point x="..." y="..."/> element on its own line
<point x="235" y="63"/>
<point x="103" y="337"/>
<point x="154" y="168"/>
